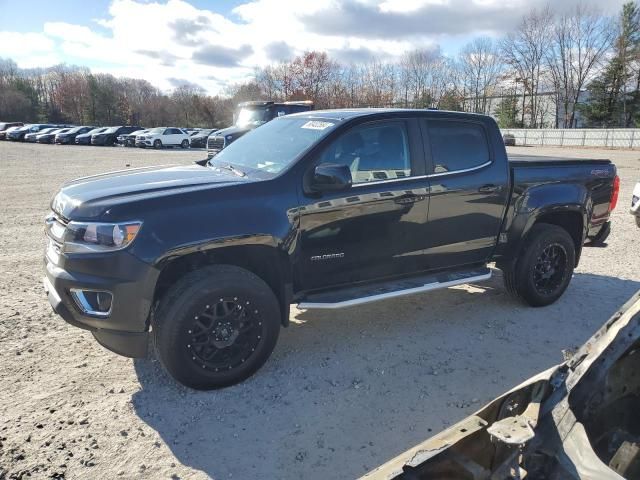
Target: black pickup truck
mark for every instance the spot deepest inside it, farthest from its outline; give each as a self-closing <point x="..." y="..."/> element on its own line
<point x="324" y="209"/>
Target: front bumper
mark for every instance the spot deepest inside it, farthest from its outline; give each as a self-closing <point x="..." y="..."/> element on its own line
<point x="144" y="143"/>
<point x="131" y="282"/>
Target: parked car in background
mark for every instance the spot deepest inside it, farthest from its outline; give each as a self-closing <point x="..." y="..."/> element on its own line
<point x="163" y="137"/>
<point x="31" y="137"/>
<point x="85" y="138"/>
<point x="199" y="138"/>
<point x="509" y="139"/>
<point x="635" y="203"/>
<point x="129" y="140"/>
<point x="110" y="135"/>
<point x="250" y="115"/>
<point x="4" y="126"/>
<point x="49" y="137"/>
<point x="4" y="135"/>
<point x="69" y="137"/>
<point x="18" y="134"/>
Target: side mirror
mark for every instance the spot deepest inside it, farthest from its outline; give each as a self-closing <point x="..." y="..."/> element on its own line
<point x="329" y="177"/>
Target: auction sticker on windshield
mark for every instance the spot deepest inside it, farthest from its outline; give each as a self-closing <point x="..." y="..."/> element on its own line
<point x="317" y="125"/>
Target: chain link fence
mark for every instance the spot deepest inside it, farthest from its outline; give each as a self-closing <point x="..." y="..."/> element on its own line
<point x="577" y="137"/>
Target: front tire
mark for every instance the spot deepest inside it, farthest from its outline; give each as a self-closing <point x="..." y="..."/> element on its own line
<point x="216" y="327"/>
<point x="184" y="144"/>
<point x="157" y="144"/>
<point x="544" y="268"/>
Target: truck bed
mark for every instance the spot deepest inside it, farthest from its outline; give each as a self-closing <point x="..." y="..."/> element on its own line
<point x="537" y="160"/>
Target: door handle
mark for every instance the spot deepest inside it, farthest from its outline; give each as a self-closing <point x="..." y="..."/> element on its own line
<point x="411" y="198"/>
<point x="489" y="188"/>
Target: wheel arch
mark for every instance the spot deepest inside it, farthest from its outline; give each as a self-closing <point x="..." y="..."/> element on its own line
<point x="267" y="262"/>
<point x="571" y="218"/>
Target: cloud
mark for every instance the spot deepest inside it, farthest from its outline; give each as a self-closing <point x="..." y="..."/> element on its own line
<point x="412" y="19"/>
<point x="166" y="59"/>
<point x="183" y="82"/>
<point x="354" y="55"/>
<point x="187" y="30"/>
<point x="167" y="40"/>
<point x="219" y="56"/>
<point x="279" y="51"/>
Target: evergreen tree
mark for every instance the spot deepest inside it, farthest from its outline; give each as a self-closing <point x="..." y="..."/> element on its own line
<point x="507" y="112"/>
<point x="614" y="99"/>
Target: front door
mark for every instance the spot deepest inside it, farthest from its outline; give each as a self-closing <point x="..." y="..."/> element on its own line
<point x="373" y="229"/>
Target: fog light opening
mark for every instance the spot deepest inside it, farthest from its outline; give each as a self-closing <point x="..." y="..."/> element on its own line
<point x="93" y="302"/>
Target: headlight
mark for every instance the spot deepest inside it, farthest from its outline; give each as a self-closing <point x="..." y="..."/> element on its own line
<point x="82" y="237"/>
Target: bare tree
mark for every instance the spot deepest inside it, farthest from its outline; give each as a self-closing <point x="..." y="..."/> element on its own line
<point x="579" y="43"/>
<point x="480" y="66"/>
<point x="524" y="51"/>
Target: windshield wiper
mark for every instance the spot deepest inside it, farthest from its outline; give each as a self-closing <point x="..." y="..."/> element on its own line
<point x="232" y="169"/>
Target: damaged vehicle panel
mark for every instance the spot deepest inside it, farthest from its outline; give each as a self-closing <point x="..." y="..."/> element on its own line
<point x="577" y="420"/>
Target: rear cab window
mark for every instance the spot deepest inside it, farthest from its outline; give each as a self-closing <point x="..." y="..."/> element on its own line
<point x="457" y="145"/>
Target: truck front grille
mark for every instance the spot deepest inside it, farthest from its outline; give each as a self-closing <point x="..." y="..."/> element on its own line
<point x="215" y="144"/>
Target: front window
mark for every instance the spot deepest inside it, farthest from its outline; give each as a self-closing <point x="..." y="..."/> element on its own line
<point x="373" y="152"/>
<point x="274" y="146"/>
<point x="251" y="116"/>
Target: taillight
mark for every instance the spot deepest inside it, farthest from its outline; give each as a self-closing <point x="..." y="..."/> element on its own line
<point x="614" y="194"/>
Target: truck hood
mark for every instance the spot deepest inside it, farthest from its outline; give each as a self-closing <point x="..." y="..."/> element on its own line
<point x="233" y="131"/>
<point x="89" y="197"/>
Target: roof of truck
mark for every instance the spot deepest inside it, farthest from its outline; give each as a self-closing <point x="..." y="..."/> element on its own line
<point x="346" y="113"/>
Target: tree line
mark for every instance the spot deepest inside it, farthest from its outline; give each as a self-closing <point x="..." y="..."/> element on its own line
<point x="552" y="69"/>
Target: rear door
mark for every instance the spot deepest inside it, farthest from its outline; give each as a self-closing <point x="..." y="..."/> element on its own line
<point x="469" y="192"/>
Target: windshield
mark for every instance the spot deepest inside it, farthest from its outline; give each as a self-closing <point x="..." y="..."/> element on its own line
<point x="75" y="129"/>
<point x="111" y="130"/>
<point x="96" y="130"/>
<point x="47" y="130"/>
<point x="251" y="116"/>
<point x="275" y="145"/>
<point x="156" y="130"/>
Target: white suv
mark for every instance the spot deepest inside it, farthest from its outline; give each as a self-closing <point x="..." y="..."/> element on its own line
<point x="162" y="137"/>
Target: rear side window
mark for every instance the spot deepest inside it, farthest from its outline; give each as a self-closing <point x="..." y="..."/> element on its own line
<point x="457" y="145"/>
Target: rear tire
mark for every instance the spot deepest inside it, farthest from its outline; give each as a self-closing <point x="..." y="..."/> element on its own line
<point x="216" y="327"/>
<point x="544" y="268"/>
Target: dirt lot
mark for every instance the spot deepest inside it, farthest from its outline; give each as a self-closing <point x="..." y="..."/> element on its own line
<point x="343" y="392"/>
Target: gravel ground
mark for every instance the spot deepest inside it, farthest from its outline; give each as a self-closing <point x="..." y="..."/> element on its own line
<point x="343" y="392"/>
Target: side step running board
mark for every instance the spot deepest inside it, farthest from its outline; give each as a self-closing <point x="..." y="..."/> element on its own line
<point x="349" y="297"/>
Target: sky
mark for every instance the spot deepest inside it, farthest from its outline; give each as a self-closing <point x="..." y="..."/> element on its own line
<point x="216" y="43"/>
